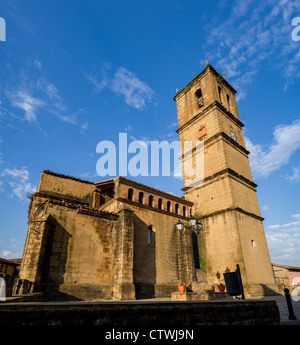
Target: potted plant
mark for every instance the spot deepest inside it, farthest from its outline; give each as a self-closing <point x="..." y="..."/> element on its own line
<point x="181" y="288"/>
<point x="221" y="287"/>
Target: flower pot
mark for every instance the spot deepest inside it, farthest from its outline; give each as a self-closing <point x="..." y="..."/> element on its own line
<point x="181" y="288"/>
<point x="221" y="287"/>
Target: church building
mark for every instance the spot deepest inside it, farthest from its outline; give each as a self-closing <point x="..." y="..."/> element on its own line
<point x="118" y="238"/>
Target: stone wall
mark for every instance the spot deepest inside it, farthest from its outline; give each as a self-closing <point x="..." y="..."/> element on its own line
<point x="162" y="314"/>
<point x="161" y="264"/>
<point x="64" y="186"/>
<point x="77" y="249"/>
<point x="69" y="251"/>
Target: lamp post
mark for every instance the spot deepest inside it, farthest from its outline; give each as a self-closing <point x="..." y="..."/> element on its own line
<point x="193" y="228"/>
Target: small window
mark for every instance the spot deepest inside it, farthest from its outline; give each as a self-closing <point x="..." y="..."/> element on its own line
<point x="176" y="208"/>
<point x="149" y="235"/>
<point x="228" y="101"/>
<point x="199" y="97"/>
<point x="141" y="197"/>
<point x="169" y="206"/>
<point x="183" y="211"/>
<point x="151" y="200"/>
<point x="160" y="203"/>
<point x="252" y="243"/>
<point x="220" y="94"/>
<point x="130" y="194"/>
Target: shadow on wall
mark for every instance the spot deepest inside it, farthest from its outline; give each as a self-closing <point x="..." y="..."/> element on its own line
<point x="144" y="259"/>
<point x="269" y="292"/>
<point x="258" y="291"/>
<point x="52" y="262"/>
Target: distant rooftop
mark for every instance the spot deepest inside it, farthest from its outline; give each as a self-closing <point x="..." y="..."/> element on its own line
<point x="11" y="261"/>
<point x="288" y="267"/>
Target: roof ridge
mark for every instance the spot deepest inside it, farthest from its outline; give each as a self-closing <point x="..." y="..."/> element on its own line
<point x="286" y="266"/>
<point x="67" y="176"/>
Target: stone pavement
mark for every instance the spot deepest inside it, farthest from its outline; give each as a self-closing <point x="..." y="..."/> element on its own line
<point x="283" y="309"/>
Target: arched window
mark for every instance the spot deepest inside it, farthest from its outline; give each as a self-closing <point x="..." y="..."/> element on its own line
<point x="149" y="235"/>
<point x="183" y="211"/>
<point x="130" y="194"/>
<point x="200" y="101"/>
<point x="141" y="197"/>
<point x="160" y="203"/>
<point x="220" y="94"/>
<point x="176" y="208"/>
<point x="169" y="206"/>
<point x="151" y="200"/>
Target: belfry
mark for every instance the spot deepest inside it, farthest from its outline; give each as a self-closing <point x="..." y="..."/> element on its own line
<point x="225" y="201"/>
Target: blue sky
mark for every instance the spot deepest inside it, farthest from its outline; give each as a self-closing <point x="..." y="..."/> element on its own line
<point x="74" y="73"/>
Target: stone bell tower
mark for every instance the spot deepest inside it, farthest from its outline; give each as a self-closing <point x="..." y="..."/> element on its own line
<point x="225" y="198"/>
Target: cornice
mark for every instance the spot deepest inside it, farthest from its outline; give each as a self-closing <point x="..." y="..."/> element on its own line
<point x="230" y="209"/>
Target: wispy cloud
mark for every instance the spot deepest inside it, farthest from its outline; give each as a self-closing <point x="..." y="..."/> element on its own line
<point x="284" y="242"/>
<point x="135" y="92"/>
<point x="36" y="96"/>
<point x="98" y="85"/>
<point x="6" y="254"/>
<point x="265" y="160"/>
<point x="255" y="31"/>
<point x="123" y="82"/>
<point x="18" y="182"/>
<point x="29" y="104"/>
<point x="295" y="176"/>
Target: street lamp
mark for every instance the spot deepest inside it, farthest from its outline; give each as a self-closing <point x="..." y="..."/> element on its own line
<point x="193" y="228"/>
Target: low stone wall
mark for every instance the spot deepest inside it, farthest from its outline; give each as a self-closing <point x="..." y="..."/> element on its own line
<point x="141" y="313"/>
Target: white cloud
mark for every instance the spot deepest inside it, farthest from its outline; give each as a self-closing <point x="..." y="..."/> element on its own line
<point x="295" y="176"/>
<point x="84" y="126"/>
<point x="136" y="93"/>
<point x="29" y="104"/>
<point x="264" y="161"/>
<point x="18" y="180"/>
<point x="255" y="31"/>
<point x="37" y="63"/>
<point x="98" y="85"/>
<point x="38" y="96"/>
<point x="21" y="174"/>
<point x="6" y="253"/>
<point x="284" y="242"/>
